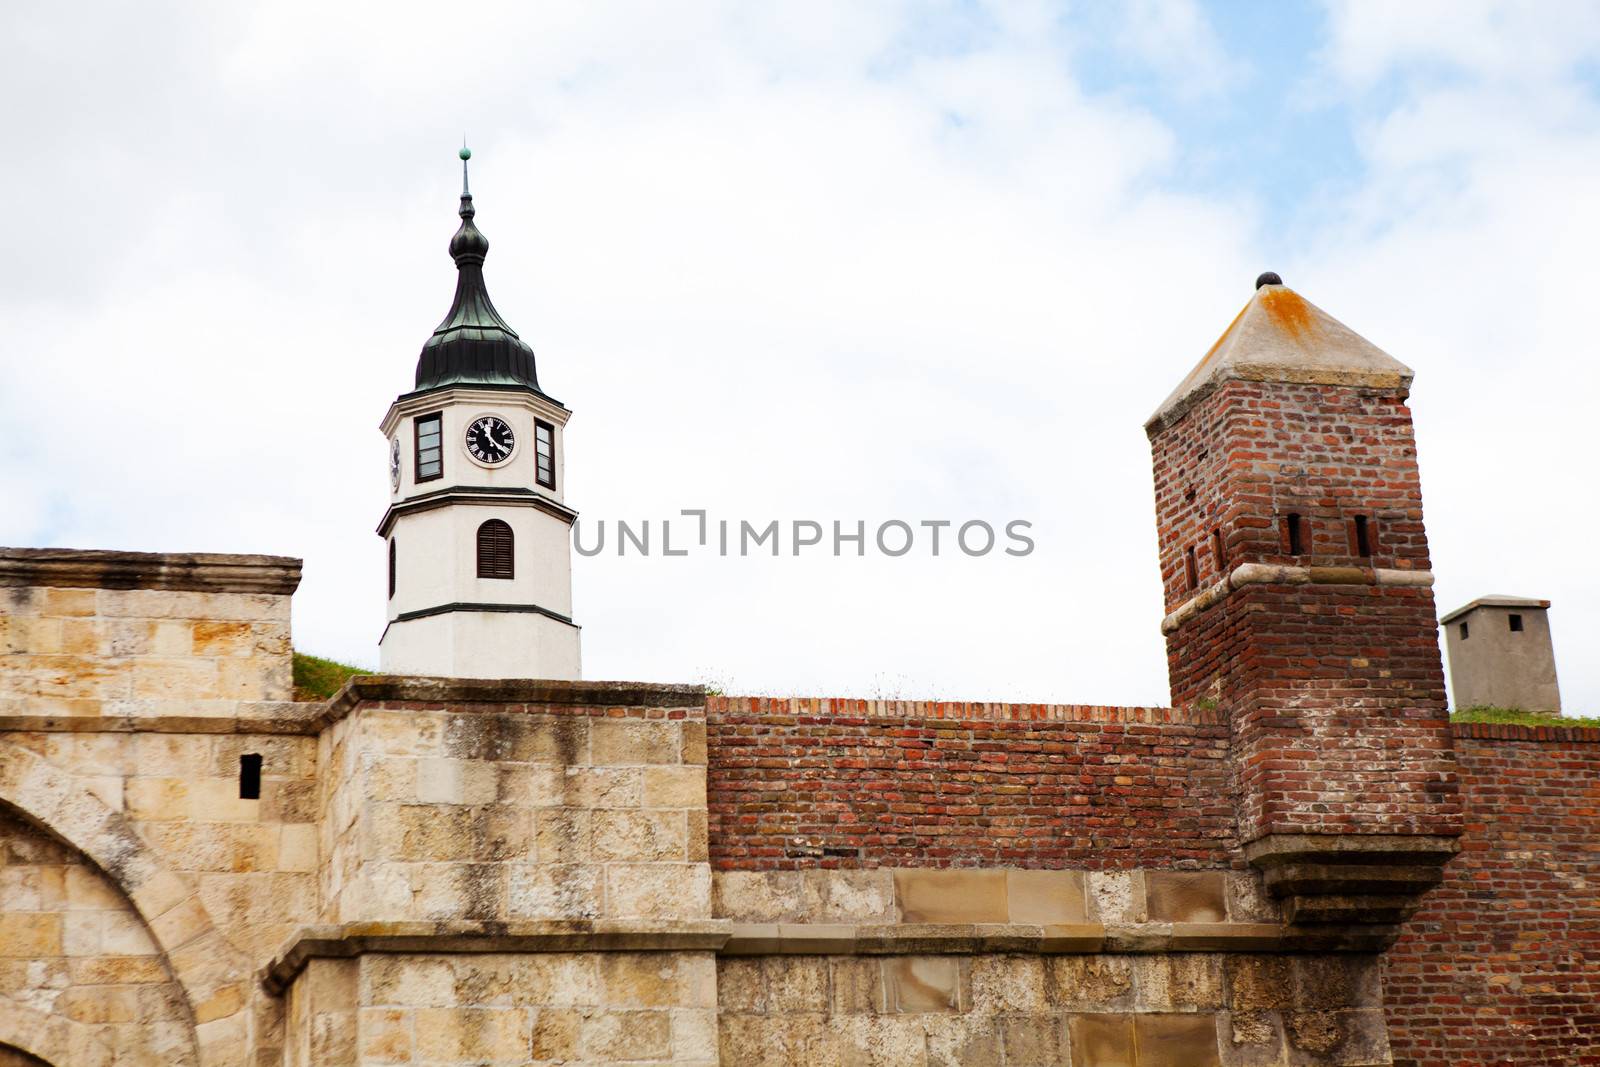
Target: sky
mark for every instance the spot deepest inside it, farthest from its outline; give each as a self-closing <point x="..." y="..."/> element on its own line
<point x="853" y="262"/>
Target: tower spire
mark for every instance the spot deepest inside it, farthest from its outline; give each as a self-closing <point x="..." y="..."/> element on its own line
<point x="473" y="345"/>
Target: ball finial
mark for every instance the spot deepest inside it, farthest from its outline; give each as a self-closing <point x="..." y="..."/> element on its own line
<point x="465" y="153"/>
<point x="1268" y="278"/>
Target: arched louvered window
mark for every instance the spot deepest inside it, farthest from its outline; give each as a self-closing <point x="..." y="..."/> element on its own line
<point x="494" y="550"/>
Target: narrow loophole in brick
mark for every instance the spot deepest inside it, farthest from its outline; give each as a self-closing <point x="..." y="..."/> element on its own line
<point x="1291" y="534"/>
<point x="1362" y="537"/>
<point x="1218" y="556"/>
<point x="1190" y="571"/>
<point x="250" y="776"/>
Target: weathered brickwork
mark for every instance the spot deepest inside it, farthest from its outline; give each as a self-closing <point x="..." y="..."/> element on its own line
<point x="1502" y="964"/>
<point x="849" y="783"/>
<point x="1312" y="671"/>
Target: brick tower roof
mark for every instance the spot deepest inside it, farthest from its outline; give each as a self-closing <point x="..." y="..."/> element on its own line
<point x="1280" y="336"/>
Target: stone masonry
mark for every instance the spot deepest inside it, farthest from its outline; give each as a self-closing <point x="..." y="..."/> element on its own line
<point x="197" y="870"/>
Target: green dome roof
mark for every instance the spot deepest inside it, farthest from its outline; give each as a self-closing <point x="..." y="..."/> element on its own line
<point x="473" y="345"/>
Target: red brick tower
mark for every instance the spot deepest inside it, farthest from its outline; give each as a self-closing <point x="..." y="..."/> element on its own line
<point x="1298" y="599"/>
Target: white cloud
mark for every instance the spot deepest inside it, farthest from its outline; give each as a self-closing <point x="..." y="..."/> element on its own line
<point x="803" y="261"/>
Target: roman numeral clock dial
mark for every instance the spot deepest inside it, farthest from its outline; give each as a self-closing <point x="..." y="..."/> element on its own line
<point x="490" y="440"/>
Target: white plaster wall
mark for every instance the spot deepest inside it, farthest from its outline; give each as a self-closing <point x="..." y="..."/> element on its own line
<point x="460" y="408"/>
<point x="481" y="644"/>
<point x="437" y="559"/>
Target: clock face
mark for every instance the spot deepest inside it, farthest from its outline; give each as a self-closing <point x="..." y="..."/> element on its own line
<point x="394" y="463"/>
<point x="490" y="440"/>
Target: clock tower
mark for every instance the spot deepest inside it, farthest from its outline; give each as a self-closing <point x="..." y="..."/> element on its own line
<point x="477" y="533"/>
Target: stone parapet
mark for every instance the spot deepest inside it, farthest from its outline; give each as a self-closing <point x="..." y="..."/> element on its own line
<point x="128" y="635"/>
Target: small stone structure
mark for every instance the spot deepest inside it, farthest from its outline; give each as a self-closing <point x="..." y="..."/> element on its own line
<point x="1501" y="655"/>
<point x="196" y="870"/>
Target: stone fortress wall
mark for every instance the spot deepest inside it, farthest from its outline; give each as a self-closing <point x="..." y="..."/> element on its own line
<point x="477" y="872"/>
<point x="1300" y="864"/>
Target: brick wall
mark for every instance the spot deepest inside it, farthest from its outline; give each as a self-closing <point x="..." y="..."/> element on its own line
<point x="1333" y="679"/>
<point x="1502" y="964"/>
<point x="796" y="783"/>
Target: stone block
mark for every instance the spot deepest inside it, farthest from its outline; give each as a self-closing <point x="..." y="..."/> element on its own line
<point x="626" y="1035"/>
<point x="1045" y="897"/>
<point x="1337" y="1038"/>
<point x="923" y="983"/>
<point x="556" y="1033"/>
<point x="694" y="1036"/>
<point x="634" y="835"/>
<point x="218" y="800"/>
<point x="554" y="891"/>
<point x="1259" y="983"/>
<point x="1035" y="1042"/>
<point x="1008" y="984"/>
<point x="1116" y="897"/>
<point x="857" y="985"/>
<point x="474" y="1035"/>
<point x="632" y="742"/>
<point x="658" y="891"/>
<point x="640" y="980"/>
<point x="1186" y="896"/>
<point x="217" y="638"/>
<point x="742" y="984"/>
<point x="1177" y="1040"/>
<point x="400" y="981"/>
<point x="564" y="835"/>
<point x="156" y="799"/>
<point x="1102" y="1040"/>
<point x="385" y="1035"/>
<point x="834" y="896"/>
<point x="1090" y="983"/>
<point x="297" y="848"/>
<point x="675" y="786"/>
<point x="1182" y="981"/>
<point x="951" y="896"/>
<point x="605" y="787"/>
<point x="1251" y="1039"/>
<point x="796" y="984"/>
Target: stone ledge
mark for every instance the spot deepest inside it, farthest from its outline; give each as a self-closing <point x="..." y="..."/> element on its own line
<point x="345" y="940"/>
<point x="1368" y="879"/>
<point x="386" y="688"/>
<point x="971" y="939"/>
<point x="264" y="717"/>
<point x="204" y="572"/>
<point x="1271" y="573"/>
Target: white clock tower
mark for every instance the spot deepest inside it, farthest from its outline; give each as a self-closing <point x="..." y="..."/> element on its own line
<point x="478" y="536"/>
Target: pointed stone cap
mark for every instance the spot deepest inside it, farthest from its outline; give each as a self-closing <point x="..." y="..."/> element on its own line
<point x="1282" y="337"/>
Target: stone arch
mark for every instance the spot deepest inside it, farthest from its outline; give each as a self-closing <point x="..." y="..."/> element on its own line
<point x="56" y="1040"/>
<point x="214" y="975"/>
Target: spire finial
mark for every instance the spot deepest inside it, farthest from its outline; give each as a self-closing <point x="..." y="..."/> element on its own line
<point x="465" y="154"/>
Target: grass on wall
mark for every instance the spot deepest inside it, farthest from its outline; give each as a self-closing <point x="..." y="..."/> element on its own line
<point x="1518" y="717"/>
<point x="316" y="678"/>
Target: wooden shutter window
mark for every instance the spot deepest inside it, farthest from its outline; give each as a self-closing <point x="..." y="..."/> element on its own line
<point x="495" y="550"/>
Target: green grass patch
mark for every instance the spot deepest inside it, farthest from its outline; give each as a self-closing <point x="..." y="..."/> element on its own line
<point x="1518" y="717"/>
<point x="316" y="678"/>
